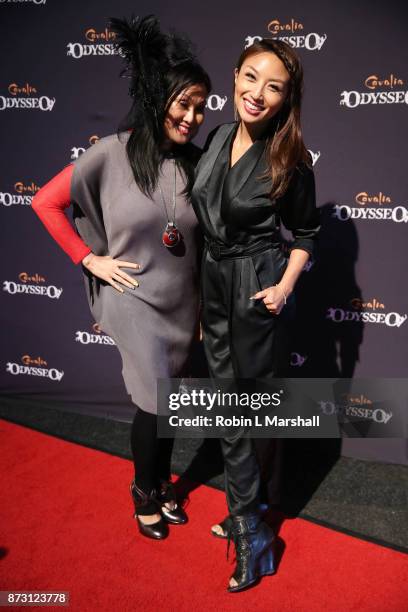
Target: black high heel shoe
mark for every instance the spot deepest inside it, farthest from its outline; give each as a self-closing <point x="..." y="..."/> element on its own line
<point x="175" y="514"/>
<point x="253" y="548"/>
<point x="146" y="505"/>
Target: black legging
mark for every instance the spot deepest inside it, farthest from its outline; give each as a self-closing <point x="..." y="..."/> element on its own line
<point x="151" y="455"/>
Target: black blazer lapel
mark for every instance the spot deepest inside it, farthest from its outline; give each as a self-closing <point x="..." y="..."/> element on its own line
<point x="208" y="159"/>
<point x="243" y="169"/>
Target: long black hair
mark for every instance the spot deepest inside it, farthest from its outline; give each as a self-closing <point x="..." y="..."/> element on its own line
<point x="160" y="67"/>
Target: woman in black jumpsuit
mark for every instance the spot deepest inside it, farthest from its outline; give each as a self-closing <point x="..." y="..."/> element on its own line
<point x="247" y="282"/>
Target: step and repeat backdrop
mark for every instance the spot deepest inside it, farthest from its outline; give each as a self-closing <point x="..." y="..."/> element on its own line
<point x="60" y="92"/>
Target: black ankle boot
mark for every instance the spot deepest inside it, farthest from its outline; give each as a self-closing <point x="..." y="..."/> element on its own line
<point x="253" y="539"/>
<point x="146" y="504"/>
<point x="175" y="513"/>
<point x="226" y="523"/>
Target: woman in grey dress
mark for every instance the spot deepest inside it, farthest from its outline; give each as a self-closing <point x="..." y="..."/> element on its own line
<point x="132" y="211"/>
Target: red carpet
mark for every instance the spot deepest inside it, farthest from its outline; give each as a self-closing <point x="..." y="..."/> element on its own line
<point x="66" y="525"/>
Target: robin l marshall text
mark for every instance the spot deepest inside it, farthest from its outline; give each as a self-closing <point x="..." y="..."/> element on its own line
<point x="235" y="421"/>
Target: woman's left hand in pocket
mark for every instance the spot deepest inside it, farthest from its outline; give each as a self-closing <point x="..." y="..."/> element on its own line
<point x="273" y="297"/>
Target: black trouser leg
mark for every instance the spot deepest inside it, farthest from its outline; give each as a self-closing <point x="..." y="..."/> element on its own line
<point x="241" y="474"/>
<point x="151" y="455"/>
<point x="241" y="467"/>
<point x="260" y="347"/>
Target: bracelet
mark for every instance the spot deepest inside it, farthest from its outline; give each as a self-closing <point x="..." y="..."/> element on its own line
<point x="284" y="294"/>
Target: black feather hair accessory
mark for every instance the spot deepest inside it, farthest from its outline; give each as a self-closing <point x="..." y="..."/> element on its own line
<point x="149" y="54"/>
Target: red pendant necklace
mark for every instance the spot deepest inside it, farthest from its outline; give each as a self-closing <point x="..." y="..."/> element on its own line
<point x="171" y="235"/>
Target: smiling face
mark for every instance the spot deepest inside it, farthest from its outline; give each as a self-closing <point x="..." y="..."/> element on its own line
<point x="185" y="115"/>
<point x="261" y="87"/>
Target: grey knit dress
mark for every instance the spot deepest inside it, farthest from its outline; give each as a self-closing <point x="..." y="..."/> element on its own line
<point x="154" y="324"/>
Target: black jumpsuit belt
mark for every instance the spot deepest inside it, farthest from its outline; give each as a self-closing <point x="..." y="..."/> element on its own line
<point x="221" y="251"/>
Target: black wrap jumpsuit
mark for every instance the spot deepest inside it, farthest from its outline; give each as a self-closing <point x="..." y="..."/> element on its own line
<point x="243" y="255"/>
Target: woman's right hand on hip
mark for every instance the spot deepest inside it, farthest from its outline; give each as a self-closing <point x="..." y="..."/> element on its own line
<point x="109" y="270"/>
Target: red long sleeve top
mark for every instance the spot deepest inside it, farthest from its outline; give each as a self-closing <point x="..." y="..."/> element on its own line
<point x="50" y="204"/>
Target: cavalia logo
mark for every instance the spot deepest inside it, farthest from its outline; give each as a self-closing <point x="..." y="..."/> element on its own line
<point x="352" y="405"/>
<point x="379" y="90"/>
<point x="96" y="43"/>
<point x="25" y="97"/>
<point x="34" y="366"/>
<point x="23" y="194"/>
<point x="77" y="151"/>
<point x="372" y="311"/>
<point x="216" y="103"/>
<point x="97" y="337"/>
<point x="371" y="206"/>
<point x="32" y="284"/>
<point x="293" y="32"/>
